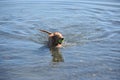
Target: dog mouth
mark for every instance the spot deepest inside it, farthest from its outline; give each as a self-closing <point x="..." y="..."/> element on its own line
<point x="60" y="41"/>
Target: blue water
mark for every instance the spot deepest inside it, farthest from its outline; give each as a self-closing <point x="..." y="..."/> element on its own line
<point x="91" y="50"/>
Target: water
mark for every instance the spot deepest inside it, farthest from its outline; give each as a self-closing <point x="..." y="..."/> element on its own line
<point x="92" y="39"/>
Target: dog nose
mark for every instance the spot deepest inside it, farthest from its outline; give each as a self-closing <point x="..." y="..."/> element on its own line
<point x="62" y="38"/>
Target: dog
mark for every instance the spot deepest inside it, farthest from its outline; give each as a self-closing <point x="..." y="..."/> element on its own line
<point x="55" y="39"/>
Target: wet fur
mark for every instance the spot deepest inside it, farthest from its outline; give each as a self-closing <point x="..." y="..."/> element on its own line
<point x="53" y="38"/>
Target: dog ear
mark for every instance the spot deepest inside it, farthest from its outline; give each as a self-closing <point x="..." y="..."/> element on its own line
<point x="54" y="37"/>
<point x="54" y="40"/>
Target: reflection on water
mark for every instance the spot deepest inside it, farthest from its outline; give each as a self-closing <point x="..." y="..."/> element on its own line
<point x="56" y="54"/>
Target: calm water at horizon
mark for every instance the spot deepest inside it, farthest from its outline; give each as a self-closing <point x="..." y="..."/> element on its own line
<point x="91" y="50"/>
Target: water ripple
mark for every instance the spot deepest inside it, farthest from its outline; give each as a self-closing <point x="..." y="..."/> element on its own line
<point x="92" y="36"/>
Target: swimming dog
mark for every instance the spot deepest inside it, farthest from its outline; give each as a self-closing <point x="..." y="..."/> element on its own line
<point x="55" y="39"/>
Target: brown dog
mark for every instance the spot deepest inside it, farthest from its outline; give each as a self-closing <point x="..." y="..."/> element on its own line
<point x="55" y="39"/>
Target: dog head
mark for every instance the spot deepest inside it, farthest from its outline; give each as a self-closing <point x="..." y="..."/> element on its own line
<point x="57" y="39"/>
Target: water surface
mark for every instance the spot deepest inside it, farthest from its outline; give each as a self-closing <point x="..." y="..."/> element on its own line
<point x="92" y="39"/>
